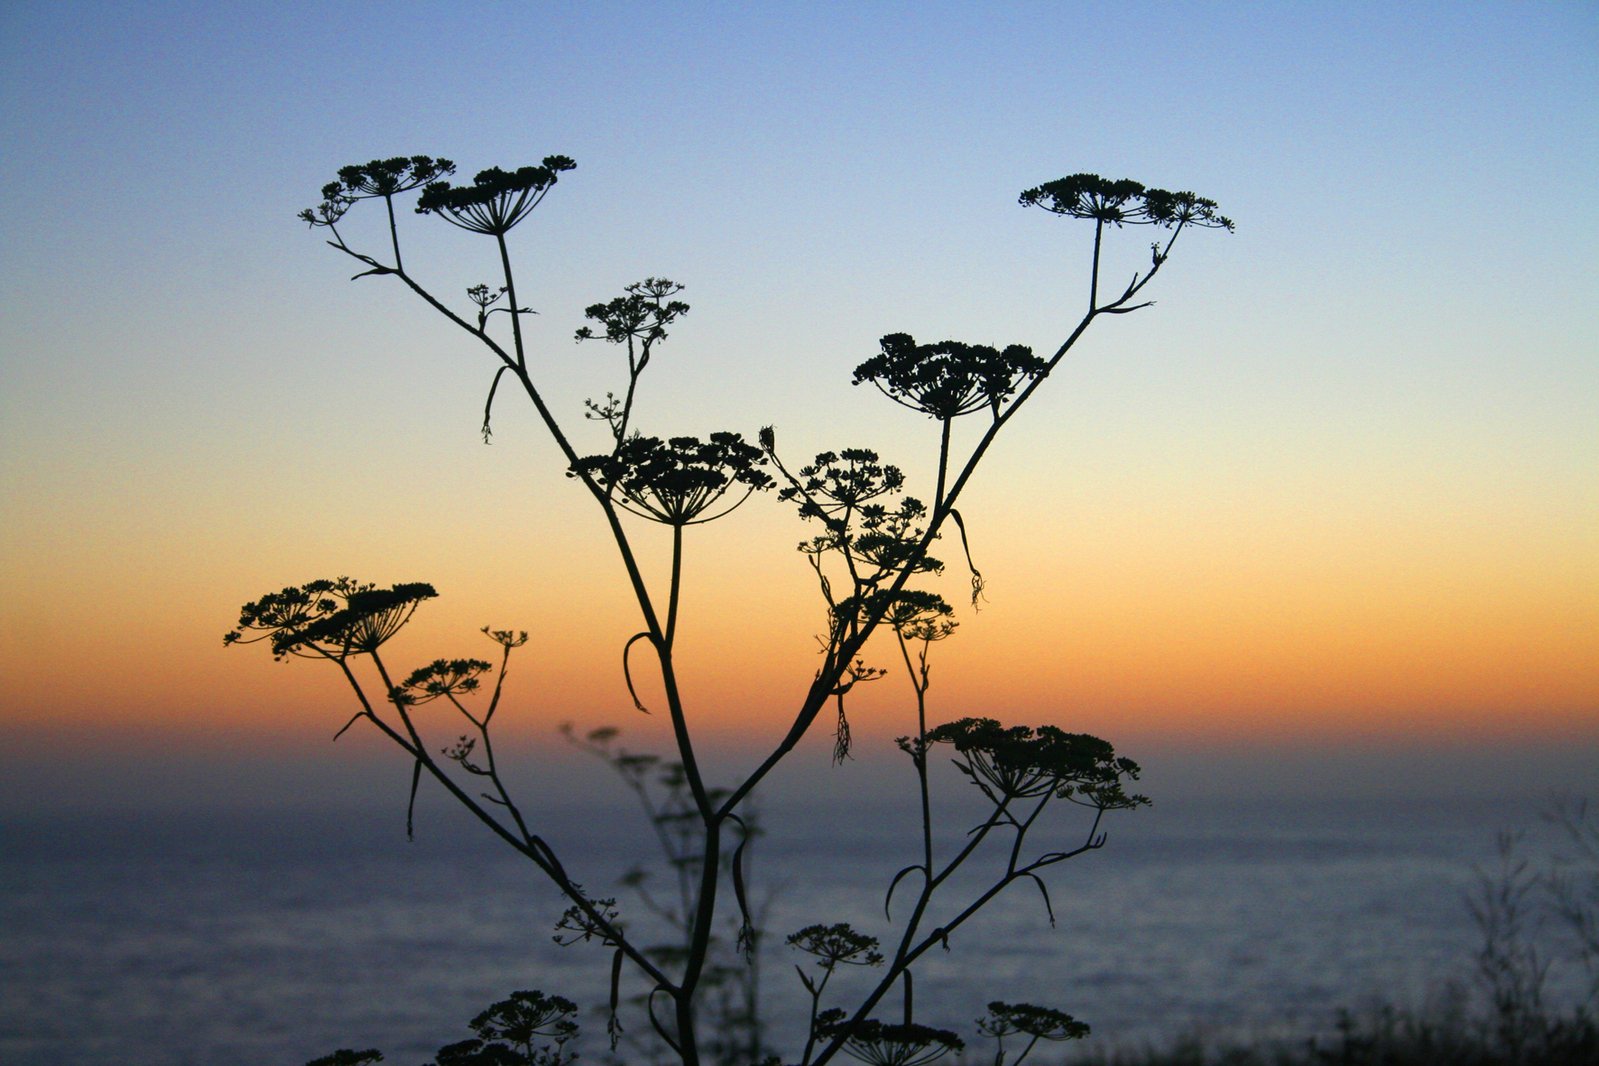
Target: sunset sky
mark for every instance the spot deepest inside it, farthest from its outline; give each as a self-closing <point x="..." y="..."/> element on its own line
<point x="1328" y="513"/>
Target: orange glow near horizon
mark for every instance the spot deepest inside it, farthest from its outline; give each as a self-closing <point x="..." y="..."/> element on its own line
<point x="1337" y="486"/>
<point x="1248" y="651"/>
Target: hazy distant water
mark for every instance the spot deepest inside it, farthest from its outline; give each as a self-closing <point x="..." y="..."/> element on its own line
<point x="273" y="938"/>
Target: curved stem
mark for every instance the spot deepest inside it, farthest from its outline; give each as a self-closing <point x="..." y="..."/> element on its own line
<point x="905" y="955"/>
<point x="824" y="683"/>
<point x="517" y="364"/>
<point x="534" y="848"/>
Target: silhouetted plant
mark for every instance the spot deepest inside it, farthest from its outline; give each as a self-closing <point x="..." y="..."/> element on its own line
<point x="1530" y="920"/>
<point x="888" y="1043"/>
<point x="496" y="200"/>
<point x="524" y="1029"/>
<point x="346" y="1057"/>
<point x="1573" y="885"/>
<point x="328" y="619"/>
<point x="1026" y="1020"/>
<point x="1509" y="965"/>
<point x="676" y="482"/>
<point x="947" y="379"/>
<point x="873" y="541"/>
<point x="732" y="978"/>
<point x="1521" y="910"/>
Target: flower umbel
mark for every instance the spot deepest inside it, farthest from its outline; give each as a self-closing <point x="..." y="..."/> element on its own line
<point x="915" y="615"/>
<point x="947" y="379"/>
<point x="328" y="619"/>
<point x="886" y="1044"/>
<point x="1017" y="762"/>
<point x="335" y="202"/>
<point x="1040" y="1023"/>
<point x="525" y="1015"/>
<point x="1184" y="209"/>
<point x="1031" y="1023"/>
<point x="380" y="177"/>
<point x="441" y="677"/>
<point x="677" y="481"/>
<point x="497" y="199"/>
<point x="388" y="177"/>
<point x="837" y="944"/>
<point x="641" y="314"/>
<point x="1124" y="202"/>
<point x="920" y="616"/>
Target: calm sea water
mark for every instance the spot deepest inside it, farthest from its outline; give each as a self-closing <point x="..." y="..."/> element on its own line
<point x="272" y="938"/>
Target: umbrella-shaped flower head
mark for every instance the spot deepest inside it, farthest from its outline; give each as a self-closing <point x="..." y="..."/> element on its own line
<point x="328" y="619"/>
<point x="1024" y="1019"/>
<point x="888" y="1043"/>
<point x="949" y="378"/>
<point x="1014" y="762"/>
<point x="380" y="177"/>
<point x="681" y="481"/>
<point x="523" y="1016"/>
<point x="1123" y="202"/>
<point x="389" y="177"/>
<point x="442" y="677"/>
<point x="836" y="945"/>
<point x="497" y="199"/>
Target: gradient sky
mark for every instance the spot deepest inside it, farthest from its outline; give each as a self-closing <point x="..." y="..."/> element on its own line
<point x="1336" y="494"/>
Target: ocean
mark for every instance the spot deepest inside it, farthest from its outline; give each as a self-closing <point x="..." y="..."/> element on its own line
<point x="272" y="937"/>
